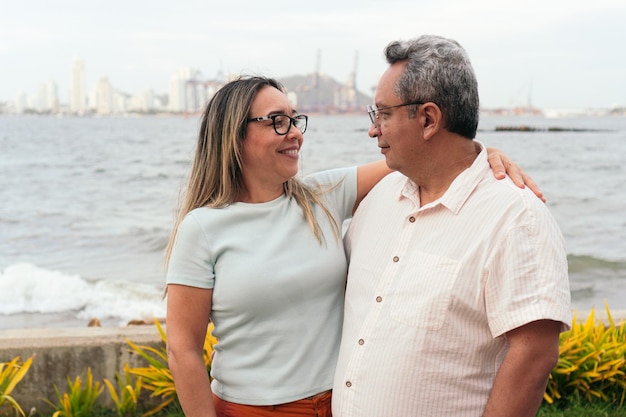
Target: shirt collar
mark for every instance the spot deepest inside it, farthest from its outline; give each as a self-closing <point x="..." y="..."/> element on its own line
<point x="459" y="191"/>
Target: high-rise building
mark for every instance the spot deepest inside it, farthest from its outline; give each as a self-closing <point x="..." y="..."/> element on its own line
<point x="77" y="87"/>
<point x="177" y="90"/>
<point x="120" y="102"/>
<point x="48" y="97"/>
<point x="104" y="96"/>
<point x="189" y="91"/>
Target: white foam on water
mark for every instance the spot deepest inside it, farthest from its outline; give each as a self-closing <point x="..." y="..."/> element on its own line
<point x="26" y="288"/>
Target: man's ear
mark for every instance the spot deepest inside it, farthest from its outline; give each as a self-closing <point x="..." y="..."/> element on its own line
<point x="433" y="119"/>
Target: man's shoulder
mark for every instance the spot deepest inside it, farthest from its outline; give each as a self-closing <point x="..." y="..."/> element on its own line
<point x="393" y="181"/>
<point x="511" y="201"/>
<point x="506" y="190"/>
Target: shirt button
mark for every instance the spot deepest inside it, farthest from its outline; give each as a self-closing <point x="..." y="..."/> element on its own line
<point x="361" y="342"/>
<point x="412" y="219"/>
<point x="348" y="384"/>
<point x="379" y="299"/>
<point x="396" y="259"/>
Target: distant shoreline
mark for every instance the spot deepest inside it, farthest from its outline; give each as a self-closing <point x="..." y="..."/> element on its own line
<point x="527" y="128"/>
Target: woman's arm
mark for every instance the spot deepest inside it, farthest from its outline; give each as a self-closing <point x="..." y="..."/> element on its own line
<point x="368" y="175"/>
<point x="188" y="311"/>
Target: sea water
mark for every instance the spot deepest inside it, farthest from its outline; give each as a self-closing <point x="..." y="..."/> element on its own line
<point x="87" y="205"/>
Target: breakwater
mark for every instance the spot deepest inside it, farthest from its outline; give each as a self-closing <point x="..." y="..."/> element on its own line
<point x="527" y="128"/>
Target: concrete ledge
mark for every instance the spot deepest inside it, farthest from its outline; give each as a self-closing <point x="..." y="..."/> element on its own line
<point x="62" y="353"/>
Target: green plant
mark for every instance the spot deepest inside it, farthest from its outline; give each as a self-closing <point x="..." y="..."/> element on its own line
<point x="80" y="400"/>
<point x="126" y="398"/>
<point x="591" y="362"/>
<point x="11" y="373"/>
<point x="576" y="407"/>
<point x="157" y="376"/>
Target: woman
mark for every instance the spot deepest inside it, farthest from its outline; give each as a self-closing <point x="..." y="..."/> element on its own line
<point x="259" y="252"/>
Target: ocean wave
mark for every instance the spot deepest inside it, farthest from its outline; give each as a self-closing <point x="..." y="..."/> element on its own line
<point x="149" y="239"/>
<point x="26" y="288"/>
<point x="582" y="263"/>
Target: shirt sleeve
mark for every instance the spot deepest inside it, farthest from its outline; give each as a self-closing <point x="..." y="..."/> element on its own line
<point x="339" y="187"/>
<point x="528" y="278"/>
<point x="191" y="262"/>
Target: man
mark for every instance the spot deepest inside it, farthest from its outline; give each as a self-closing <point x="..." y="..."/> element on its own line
<point x="458" y="288"/>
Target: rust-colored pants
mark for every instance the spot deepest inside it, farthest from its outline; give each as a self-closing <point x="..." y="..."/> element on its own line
<point x="316" y="406"/>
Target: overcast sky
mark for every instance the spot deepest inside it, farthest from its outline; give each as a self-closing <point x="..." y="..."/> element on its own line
<point x="558" y="53"/>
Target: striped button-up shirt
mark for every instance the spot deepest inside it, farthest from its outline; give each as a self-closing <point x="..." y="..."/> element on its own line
<point x="433" y="290"/>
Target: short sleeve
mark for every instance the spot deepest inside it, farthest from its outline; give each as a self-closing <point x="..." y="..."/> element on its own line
<point x="191" y="262"/>
<point x="529" y="279"/>
<point x="339" y="187"/>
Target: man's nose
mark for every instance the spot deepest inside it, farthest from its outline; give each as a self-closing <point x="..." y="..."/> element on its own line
<point x="373" y="131"/>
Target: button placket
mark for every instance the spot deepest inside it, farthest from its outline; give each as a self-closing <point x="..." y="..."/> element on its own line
<point x="399" y="246"/>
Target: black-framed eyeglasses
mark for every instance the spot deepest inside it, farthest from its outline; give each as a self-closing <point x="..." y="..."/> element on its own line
<point x="373" y="111"/>
<point x="282" y="123"/>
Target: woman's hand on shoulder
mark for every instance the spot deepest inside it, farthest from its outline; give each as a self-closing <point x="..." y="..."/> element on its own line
<point x="502" y="165"/>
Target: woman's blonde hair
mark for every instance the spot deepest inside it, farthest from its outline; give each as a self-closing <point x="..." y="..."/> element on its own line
<point x="216" y="173"/>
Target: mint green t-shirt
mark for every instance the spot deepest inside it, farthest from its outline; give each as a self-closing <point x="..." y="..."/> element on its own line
<point x="277" y="293"/>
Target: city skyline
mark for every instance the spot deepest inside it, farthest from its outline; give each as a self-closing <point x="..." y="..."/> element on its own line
<point x="102" y="98"/>
<point x="559" y="54"/>
<point x="186" y="91"/>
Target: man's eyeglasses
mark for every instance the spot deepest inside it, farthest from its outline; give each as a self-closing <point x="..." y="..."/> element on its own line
<point x="282" y="123"/>
<point x="373" y="111"/>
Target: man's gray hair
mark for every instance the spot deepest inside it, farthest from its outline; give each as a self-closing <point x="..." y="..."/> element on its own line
<point x="438" y="70"/>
